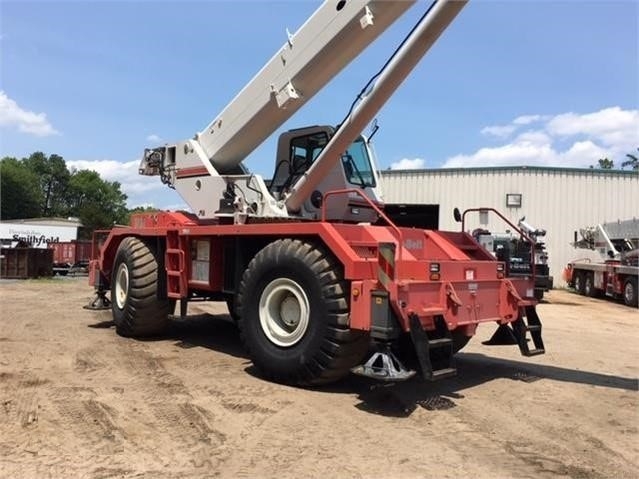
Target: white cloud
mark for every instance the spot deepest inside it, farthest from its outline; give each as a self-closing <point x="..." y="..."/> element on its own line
<point x="568" y="139"/>
<point x="408" y="164"/>
<point x="134" y="185"/>
<point x="154" y="138"/>
<point x="533" y="137"/>
<point x="12" y="115"/>
<point x="504" y="131"/>
<point x="527" y="119"/>
<point x="611" y="126"/>
<point x="500" y="131"/>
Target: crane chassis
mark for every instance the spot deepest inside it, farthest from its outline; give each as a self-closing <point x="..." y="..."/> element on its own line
<point x="319" y="281"/>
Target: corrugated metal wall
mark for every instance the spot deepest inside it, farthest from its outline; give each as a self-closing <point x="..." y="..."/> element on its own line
<point x="559" y="200"/>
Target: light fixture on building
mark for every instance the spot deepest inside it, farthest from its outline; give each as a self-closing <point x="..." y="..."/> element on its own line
<point x="513" y="200"/>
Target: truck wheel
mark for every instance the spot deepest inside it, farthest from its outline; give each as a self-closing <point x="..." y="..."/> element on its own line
<point x="579" y="282"/>
<point x="137" y="311"/>
<point x="630" y="295"/>
<point x="589" y="286"/>
<point x="293" y="315"/>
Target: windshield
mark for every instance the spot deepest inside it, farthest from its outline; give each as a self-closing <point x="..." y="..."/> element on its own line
<point x="357" y="164"/>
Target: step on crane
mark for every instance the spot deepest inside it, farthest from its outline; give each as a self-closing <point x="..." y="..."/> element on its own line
<point x="318" y="279"/>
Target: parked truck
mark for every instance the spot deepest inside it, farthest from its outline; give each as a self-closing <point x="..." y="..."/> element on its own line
<point x="521" y="254"/>
<point x="318" y="279"/>
<point x="616" y="275"/>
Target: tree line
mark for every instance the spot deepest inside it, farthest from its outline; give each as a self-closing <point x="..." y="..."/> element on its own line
<point x="43" y="186"/>
<point x="632" y="160"/>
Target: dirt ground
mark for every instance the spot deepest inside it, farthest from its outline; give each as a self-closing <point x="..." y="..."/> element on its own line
<point x="76" y="400"/>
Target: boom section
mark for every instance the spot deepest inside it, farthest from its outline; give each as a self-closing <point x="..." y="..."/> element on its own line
<point x="424" y="35"/>
<point x="330" y="39"/>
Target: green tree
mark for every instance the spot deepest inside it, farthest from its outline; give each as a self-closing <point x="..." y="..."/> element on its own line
<point x="42" y="185"/>
<point x="606" y="164"/>
<point x="139" y="209"/>
<point x="99" y="204"/>
<point x="632" y="161"/>
<point x="54" y="177"/>
<point x="20" y="194"/>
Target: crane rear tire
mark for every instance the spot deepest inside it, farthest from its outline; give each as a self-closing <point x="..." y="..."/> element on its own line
<point x="137" y="310"/>
<point x="293" y="308"/>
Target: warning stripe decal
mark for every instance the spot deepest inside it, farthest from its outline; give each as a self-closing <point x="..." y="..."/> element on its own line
<point x="386" y="264"/>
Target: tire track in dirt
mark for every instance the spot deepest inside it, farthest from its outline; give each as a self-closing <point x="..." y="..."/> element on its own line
<point x="531" y="448"/>
<point x="202" y="444"/>
<point x="147" y="373"/>
<point x="25" y="412"/>
<point x="162" y="406"/>
<point x="19" y="397"/>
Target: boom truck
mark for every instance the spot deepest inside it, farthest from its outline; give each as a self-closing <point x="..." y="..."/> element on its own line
<point x="617" y="274"/>
<point x="318" y="279"/>
<point x="519" y="254"/>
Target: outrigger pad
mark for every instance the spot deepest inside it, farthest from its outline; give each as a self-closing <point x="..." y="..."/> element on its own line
<point x="383" y="366"/>
<point x="504" y="336"/>
<point x="99" y="302"/>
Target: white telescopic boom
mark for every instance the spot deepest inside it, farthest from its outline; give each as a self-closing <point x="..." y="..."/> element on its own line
<point x="430" y="27"/>
<point x="331" y="38"/>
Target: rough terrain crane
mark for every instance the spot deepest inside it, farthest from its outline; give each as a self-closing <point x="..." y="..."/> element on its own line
<point x="318" y="279"/>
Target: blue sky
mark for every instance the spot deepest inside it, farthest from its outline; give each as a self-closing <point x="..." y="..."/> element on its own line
<point x="510" y="82"/>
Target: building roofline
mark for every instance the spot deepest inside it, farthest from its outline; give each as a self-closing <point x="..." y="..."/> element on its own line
<point x="74" y="222"/>
<point x="596" y="171"/>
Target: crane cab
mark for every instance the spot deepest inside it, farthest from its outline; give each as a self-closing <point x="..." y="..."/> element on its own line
<point x="296" y="153"/>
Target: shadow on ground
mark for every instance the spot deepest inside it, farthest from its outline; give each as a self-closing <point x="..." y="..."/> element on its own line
<point x="401" y="399"/>
<point x="219" y="333"/>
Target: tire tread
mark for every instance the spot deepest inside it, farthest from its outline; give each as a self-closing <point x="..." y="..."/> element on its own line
<point x="340" y="348"/>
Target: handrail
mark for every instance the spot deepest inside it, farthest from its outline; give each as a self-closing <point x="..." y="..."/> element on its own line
<point x="95" y="242"/>
<point x="399" y="235"/>
<point x="516" y="228"/>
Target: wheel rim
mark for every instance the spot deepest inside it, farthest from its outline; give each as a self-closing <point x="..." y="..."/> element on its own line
<point x="628" y="293"/>
<point x="284" y="312"/>
<point x="121" y="285"/>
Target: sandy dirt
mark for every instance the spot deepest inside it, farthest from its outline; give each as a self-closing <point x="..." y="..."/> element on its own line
<point x="76" y="400"/>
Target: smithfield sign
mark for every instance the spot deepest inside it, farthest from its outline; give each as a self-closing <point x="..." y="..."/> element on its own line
<point x="38" y="236"/>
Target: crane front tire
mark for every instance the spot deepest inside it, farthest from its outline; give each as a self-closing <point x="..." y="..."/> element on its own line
<point x="293" y="308"/>
<point x="137" y="310"/>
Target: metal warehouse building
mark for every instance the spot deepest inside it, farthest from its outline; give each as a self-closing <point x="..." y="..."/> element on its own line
<point x="559" y="200"/>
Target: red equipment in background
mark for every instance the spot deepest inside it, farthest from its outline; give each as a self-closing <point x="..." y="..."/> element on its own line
<point x="71" y="256"/>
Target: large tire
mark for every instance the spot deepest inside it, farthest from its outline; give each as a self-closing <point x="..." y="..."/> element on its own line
<point x="579" y="282"/>
<point x="630" y="294"/>
<point x="137" y="311"/>
<point x="589" y="285"/>
<point x="230" y="304"/>
<point x="293" y="313"/>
